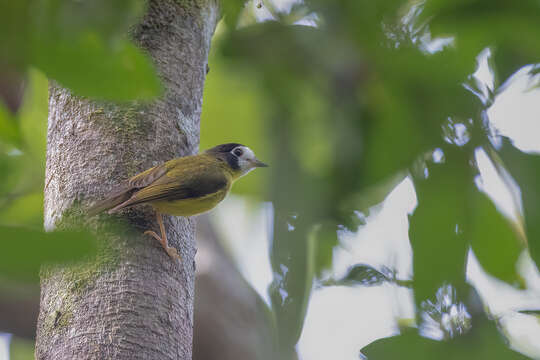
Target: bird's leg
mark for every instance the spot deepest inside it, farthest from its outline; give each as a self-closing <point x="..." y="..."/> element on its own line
<point x="163" y="238"/>
<point x="170" y="250"/>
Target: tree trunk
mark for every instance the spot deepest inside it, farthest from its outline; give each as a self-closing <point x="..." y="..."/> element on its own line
<point x="133" y="301"/>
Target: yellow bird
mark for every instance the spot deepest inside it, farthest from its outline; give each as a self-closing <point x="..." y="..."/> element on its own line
<point x="183" y="186"/>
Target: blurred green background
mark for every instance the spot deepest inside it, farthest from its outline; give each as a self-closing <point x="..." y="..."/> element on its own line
<point x="345" y="99"/>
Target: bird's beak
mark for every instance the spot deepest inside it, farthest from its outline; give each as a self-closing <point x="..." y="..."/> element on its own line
<point x="258" y="163"/>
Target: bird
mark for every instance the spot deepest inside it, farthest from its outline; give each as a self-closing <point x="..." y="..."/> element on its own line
<point x="183" y="186"/>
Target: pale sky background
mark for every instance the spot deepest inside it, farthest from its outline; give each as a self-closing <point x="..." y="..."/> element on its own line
<point x="4" y="346"/>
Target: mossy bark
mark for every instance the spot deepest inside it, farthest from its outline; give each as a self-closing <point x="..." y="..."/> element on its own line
<point x="133" y="302"/>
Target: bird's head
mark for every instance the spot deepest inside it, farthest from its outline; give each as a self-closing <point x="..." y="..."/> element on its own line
<point x="238" y="157"/>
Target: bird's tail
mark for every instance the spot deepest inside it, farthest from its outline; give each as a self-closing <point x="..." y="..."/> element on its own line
<point x="111" y="201"/>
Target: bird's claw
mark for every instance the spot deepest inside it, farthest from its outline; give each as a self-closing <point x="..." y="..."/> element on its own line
<point x="173" y="253"/>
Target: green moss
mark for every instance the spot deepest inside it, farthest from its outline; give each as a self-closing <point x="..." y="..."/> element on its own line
<point x="122" y="121"/>
<point x="192" y="4"/>
<point x="78" y="279"/>
<point x="82" y="276"/>
<point x="96" y="112"/>
<point x="72" y="217"/>
<point x="60" y="318"/>
<point x="193" y="8"/>
<point x="126" y="125"/>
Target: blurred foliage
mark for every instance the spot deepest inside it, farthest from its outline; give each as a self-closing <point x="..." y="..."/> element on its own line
<point x="25" y="250"/>
<point x="470" y="220"/>
<point x="344" y="99"/>
<point x="78" y="42"/>
<point x="525" y="168"/>
<point x="234" y="117"/>
<point x="366" y="94"/>
<point x="449" y="333"/>
<point x="21" y="349"/>
<point x="482" y="342"/>
<point x="478" y="24"/>
<point x="22" y="158"/>
<point x="21" y="193"/>
<point x="84" y="46"/>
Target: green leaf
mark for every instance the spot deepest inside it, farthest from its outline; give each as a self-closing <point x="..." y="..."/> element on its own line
<point x="15" y="21"/>
<point x="393" y="142"/>
<point x="5" y="167"/>
<point x="23" y="209"/>
<point x="451" y="215"/>
<point x="124" y="72"/>
<point x="508" y="28"/>
<point x="362" y="20"/>
<point x="293" y="265"/>
<point x="530" y="312"/>
<point x="109" y="18"/>
<point x="525" y="169"/>
<point x="494" y="239"/>
<point x="231" y="11"/>
<point x="12" y="174"/>
<point x="408" y="345"/>
<point x="325" y="239"/>
<point x="81" y="44"/>
<point x="25" y="250"/>
<point x="483" y="342"/>
<point x="436" y="228"/>
<point x="412" y="95"/>
<point x="9" y="129"/>
<point x="33" y="115"/>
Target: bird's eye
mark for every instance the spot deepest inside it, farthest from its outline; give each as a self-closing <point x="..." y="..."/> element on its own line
<point x="238" y="152"/>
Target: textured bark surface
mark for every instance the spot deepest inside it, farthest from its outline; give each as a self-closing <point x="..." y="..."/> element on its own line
<point x="133" y="302"/>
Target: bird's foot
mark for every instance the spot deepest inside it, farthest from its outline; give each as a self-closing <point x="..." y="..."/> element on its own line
<point x="172" y="252"/>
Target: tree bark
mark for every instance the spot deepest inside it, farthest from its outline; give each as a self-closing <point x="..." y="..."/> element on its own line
<point x="133" y="301"/>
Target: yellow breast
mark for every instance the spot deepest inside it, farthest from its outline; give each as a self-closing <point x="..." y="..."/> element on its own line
<point x="191" y="206"/>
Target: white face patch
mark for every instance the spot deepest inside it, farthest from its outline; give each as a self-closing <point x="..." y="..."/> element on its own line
<point x="246" y="158"/>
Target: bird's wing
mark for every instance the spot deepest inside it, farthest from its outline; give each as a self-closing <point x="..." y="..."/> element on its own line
<point x="123" y="192"/>
<point x="147" y="177"/>
<point x="180" y="182"/>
